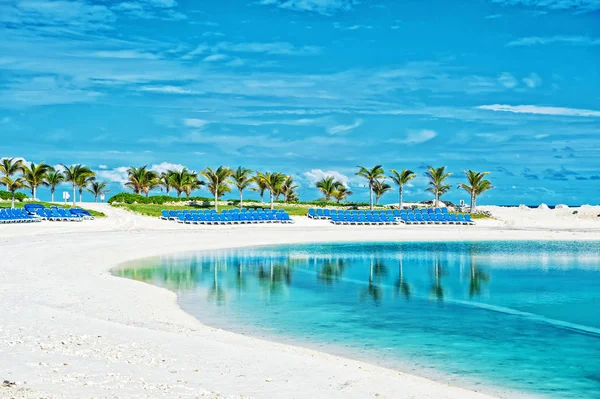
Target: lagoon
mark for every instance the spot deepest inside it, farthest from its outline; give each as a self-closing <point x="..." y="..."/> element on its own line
<point x="507" y="318"/>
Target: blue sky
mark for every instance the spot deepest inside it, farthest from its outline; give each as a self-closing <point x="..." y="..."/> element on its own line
<point x="311" y="88"/>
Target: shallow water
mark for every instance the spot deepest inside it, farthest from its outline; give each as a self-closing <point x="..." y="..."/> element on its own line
<point x="503" y="317"/>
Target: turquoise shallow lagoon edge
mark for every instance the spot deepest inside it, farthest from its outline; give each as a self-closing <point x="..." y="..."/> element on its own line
<point x="502" y="317"/>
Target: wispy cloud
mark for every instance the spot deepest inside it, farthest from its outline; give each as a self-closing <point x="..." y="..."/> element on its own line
<point x="324" y="7"/>
<point x="215" y="57"/>
<point x="194" y="122"/>
<point x="546" y="40"/>
<point x="580" y="6"/>
<point x="274" y="48"/>
<point x="415" y="137"/>
<point x="532" y="81"/>
<point x="508" y="80"/>
<point x="344" y="128"/>
<point x="315" y="175"/>
<point x="540" y="110"/>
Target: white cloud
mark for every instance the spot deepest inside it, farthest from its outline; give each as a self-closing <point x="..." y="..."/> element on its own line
<point x="344" y="128"/>
<point x="574" y="5"/>
<point x="125" y="54"/>
<point x="559" y="39"/>
<point x="540" y="136"/>
<point x="532" y="81"/>
<point x="5" y="120"/>
<point x="102" y="167"/>
<point x="317" y="174"/>
<point x="537" y="110"/>
<point x="193" y="122"/>
<point x="117" y="175"/>
<point x="215" y="57"/>
<point x="324" y="7"/>
<point x="168" y="89"/>
<point x="278" y="48"/>
<point x="415" y="137"/>
<point x="164" y="166"/>
<point x="508" y="80"/>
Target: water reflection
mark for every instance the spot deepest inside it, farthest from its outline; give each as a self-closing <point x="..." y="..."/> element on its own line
<point x="271" y="276"/>
<point x="480" y="312"/>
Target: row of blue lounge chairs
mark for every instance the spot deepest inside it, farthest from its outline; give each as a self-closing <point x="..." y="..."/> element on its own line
<point x="37" y="213"/>
<point x="406" y="216"/>
<point x="193" y="216"/>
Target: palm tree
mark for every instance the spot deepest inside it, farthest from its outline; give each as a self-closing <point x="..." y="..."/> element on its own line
<point x="83" y="182"/>
<point x="341" y="193"/>
<point x="180" y="179"/>
<point x="328" y="186"/>
<point x="141" y="180"/>
<point x="192" y="184"/>
<point x="477" y="185"/>
<point x="260" y="187"/>
<point x="380" y="188"/>
<point x="371" y="175"/>
<point x="9" y="167"/>
<point x="97" y="188"/>
<point x="241" y="179"/>
<point x="217" y="182"/>
<point x="288" y="190"/>
<point x="53" y="179"/>
<point x="437" y="176"/>
<point x="12" y="185"/>
<point x="401" y="179"/>
<point x="272" y="182"/>
<point x="35" y="176"/>
<point x="165" y="181"/>
<point x="78" y="175"/>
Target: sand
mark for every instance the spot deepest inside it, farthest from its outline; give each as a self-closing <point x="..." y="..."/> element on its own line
<point x="70" y="329"/>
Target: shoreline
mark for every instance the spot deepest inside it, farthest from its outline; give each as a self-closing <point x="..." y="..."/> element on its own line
<point x="48" y="336"/>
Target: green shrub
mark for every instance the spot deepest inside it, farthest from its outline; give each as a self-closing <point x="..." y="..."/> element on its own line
<point x="7" y="196"/>
<point x="130" y="198"/>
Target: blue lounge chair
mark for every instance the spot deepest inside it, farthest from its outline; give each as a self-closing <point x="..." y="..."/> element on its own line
<point x="320" y="214"/>
<point x="164" y="214"/>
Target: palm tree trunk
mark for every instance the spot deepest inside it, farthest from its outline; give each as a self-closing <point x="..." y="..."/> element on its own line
<point x="33" y="192"/>
<point x="271" y="194"/>
<point x="473" y="204"/>
<point x="437" y="199"/>
<point x="370" y="195"/>
<point x="216" y="198"/>
<point x="12" y="204"/>
<point x="400" y="199"/>
<point x="74" y="196"/>
<point x="240" y="200"/>
<point x="80" y="195"/>
<point x="52" y="195"/>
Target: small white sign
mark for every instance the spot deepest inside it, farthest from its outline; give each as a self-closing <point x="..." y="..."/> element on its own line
<point x="101" y="197"/>
<point x="66" y="195"/>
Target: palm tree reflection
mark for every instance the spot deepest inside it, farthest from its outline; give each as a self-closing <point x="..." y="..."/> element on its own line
<point x="274" y="278"/>
<point x="331" y="270"/>
<point x="401" y="285"/>
<point x="478" y="277"/>
<point x="376" y="270"/>
<point x="436" y="289"/>
<point x="216" y="292"/>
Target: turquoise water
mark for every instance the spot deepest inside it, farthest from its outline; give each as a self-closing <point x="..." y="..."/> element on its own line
<point x="508" y="318"/>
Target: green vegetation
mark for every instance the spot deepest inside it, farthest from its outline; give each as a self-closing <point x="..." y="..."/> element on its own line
<point x="7" y="196"/>
<point x="48" y="205"/>
<point x="154" y="209"/>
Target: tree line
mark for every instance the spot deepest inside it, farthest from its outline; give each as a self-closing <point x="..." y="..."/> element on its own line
<point x="17" y="175"/>
<point x="221" y="180"/>
<point x="375" y="176"/>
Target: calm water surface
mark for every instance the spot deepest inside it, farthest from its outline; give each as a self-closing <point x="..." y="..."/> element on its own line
<point x="504" y="317"/>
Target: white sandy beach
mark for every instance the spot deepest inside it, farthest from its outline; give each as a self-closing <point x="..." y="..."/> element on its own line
<point x="70" y="329"/>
